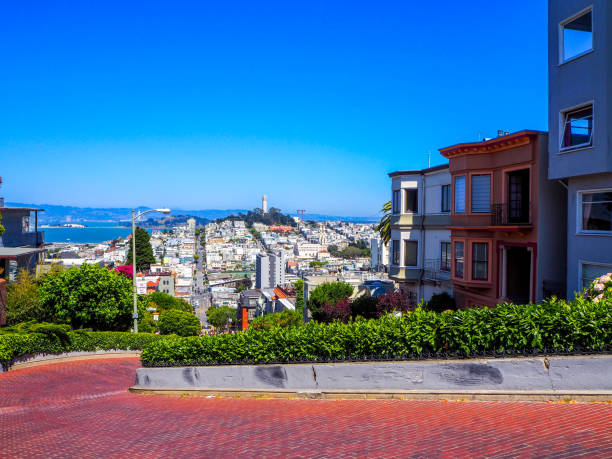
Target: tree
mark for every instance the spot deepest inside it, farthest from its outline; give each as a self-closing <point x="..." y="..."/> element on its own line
<point x="163" y="302"/>
<point x="384" y="226"/>
<point x="144" y="251"/>
<point x="299" y="295"/>
<point x="219" y="317"/>
<point x="440" y="302"/>
<point x="179" y="323"/>
<point x="23" y="300"/>
<point x="327" y="293"/>
<point x="365" y="306"/>
<point x="395" y="302"/>
<point x="89" y="296"/>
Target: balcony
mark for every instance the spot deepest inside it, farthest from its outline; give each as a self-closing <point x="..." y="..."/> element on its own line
<point x="511" y="214"/>
<point x="433" y="271"/>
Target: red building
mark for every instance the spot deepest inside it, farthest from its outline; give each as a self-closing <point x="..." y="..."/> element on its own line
<point x="507" y="221"/>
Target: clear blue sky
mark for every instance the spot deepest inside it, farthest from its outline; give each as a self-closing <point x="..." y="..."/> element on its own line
<point x="200" y="105"/>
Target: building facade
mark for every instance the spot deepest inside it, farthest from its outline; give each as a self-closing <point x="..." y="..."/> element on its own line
<point x="580" y="125"/>
<point x="21" y="243"/>
<point x="419" y="251"/>
<point x="270" y="270"/>
<point x="507" y="221"/>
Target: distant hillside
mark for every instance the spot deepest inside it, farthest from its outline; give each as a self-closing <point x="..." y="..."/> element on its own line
<point x="54" y="214"/>
<point x="172" y="220"/>
<point x="272" y="217"/>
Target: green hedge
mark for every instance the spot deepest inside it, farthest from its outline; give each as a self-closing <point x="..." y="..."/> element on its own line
<point x="553" y="324"/>
<point x="15" y="345"/>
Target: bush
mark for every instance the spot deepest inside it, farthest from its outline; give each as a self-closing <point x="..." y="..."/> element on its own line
<point x="219" y="317"/>
<point x="327" y="293"/>
<point x="89" y="296"/>
<point x="162" y="302"/>
<point x="45" y="339"/>
<point x="365" y="306"/>
<point x="341" y="310"/>
<point x="552" y="324"/>
<point x="395" y="302"/>
<point x="441" y="302"/>
<point x="600" y="288"/>
<point x="179" y="323"/>
<point x="23" y="300"/>
<point x="283" y="319"/>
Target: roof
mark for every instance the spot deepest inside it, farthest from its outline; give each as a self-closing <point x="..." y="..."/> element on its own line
<point x="20" y="209"/>
<point x="14" y="252"/>
<point x="419" y="171"/>
<point x="500" y="143"/>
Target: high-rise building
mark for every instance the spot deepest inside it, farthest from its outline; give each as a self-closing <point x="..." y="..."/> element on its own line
<point x="270" y="270"/>
<point x="264" y="204"/>
<point x="580" y="125"/>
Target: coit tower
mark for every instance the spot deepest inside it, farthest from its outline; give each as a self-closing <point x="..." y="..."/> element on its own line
<point x="264" y="203"/>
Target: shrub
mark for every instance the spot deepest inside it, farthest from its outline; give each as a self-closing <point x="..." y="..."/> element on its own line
<point x="365" y="306"/>
<point x="179" y="323"/>
<point x="40" y="340"/>
<point x="395" y="302"/>
<point x="283" y="319"/>
<point x="552" y="324"/>
<point x="328" y="292"/>
<point x="23" y="300"/>
<point x="89" y="296"/>
<point x="441" y="302"/>
<point x="162" y="301"/>
<point x="600" y="288"/>
<point x="341" y="310"/>
<point x="219" y="317"/>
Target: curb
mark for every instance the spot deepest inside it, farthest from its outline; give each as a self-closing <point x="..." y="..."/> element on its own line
<point x="448" y="395"/>
<point x="49" y="359"/>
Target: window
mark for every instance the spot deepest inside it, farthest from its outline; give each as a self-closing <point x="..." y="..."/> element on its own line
<point x="459" y="194"/>
<point x="395" y="249"/>
<point x="459" y="259"/>
<point x="445" y="206"/>
<point x="591" y="271"/>
<point x="480" y="261"/>
<point x="396" y="201"/>
<point x="577" y="128"/>
<point x="445" y="256"/>
<point x="25" y="224"/>
<point x="481" y="193"/>
<point x="577" y="36"/>
<point x="410" y="253"/>
<point x="412" y="205"/>
<point x="597" y="211"/>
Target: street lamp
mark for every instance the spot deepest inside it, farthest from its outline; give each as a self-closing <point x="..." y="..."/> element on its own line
<point x="134" y="218"/>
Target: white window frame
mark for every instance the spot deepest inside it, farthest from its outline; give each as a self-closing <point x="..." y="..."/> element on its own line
<point x="595" y="263"/>
<point x="562" y="116"/>
<point x="562" y="24"/>
<point x="579" y="229"/>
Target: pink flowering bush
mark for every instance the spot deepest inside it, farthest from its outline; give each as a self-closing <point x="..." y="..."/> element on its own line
<point x="126" y="270"/>
<point x="600" y="288"/>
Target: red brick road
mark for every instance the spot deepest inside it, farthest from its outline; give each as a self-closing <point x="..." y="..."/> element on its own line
<point x="82" y="409"/>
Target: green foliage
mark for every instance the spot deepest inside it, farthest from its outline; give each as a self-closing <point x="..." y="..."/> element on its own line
<point x="299" y="296"/>
<point x="274" y="216"/>
<point x="49" y="339"/>
<point x="219" y="317"/>
<point x="441" y="302"/>
<point x="552" y="324"/>
<point x="328" y="292"/>
<point x="1" y="227"/>
<point x="162" y="302"/>
<point x="365" y="306"/>
<point x="174" y="322"/>
<point x="600" y="288"/>
<point x="23" y="300"/>
<point x="144" y="251"/>
<point x="384" y="226"/>
<point x="283" y="319"/>
<point x="317" y="264"/>
<point x="353" y="250"/>
<point x="89" y="296"/>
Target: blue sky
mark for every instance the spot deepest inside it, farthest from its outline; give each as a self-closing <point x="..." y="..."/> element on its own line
<point x="200" y="105"/>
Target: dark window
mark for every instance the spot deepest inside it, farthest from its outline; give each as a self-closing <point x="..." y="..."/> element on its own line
<point x="578" y="128"/>
<point x="597" y="211"/>
<point x="410" y="253"/>
<point x="481" y="193"/>
<point x="445" y="206"/>
<point x="578" y="36"/>
<point x="459" y="259"/>
<point x="518" y="196"/>
<point x="412" y="205"/>
<point x="396" y="201"/>
<point x="395" y="248"/>
<point x="590" y="272"/>
<point x="480" y="261"/>
<point x="445" y="256"/>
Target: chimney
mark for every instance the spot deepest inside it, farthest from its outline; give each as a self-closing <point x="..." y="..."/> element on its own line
<point x="506" y="133"/>
<point x="500" y="133"/>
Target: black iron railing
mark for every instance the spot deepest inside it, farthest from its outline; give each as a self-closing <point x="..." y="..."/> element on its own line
<point x="512" y="213"/>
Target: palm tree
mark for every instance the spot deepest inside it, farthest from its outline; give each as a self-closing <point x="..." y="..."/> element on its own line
<point x="384" y="226"/>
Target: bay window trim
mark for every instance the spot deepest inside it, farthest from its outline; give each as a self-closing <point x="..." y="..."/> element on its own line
<point x="579" y="213"/>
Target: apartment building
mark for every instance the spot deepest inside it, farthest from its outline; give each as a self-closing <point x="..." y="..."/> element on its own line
<point x="420" y="246"/>
<point x="507" y="221"/>
<point x="270" y="270"/>
<point x="580" y="125"/>
<point x="21" y="243"/>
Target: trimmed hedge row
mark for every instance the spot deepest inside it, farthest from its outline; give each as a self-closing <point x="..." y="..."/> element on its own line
<point x="17" y="345"/>
<point x="553" y="324"/>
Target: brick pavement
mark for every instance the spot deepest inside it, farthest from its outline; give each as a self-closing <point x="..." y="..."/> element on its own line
<point x="82" y="409"/>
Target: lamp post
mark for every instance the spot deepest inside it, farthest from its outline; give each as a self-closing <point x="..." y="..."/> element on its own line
<point x="134" y="218"/>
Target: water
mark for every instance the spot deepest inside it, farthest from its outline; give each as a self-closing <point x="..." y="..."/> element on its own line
<point x="85" y="235"/>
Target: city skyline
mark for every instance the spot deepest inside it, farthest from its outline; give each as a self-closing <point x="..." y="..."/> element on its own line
<point x="200" y="107"/>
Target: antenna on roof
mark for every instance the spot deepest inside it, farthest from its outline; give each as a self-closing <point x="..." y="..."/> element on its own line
<point x="428" y="159"/>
